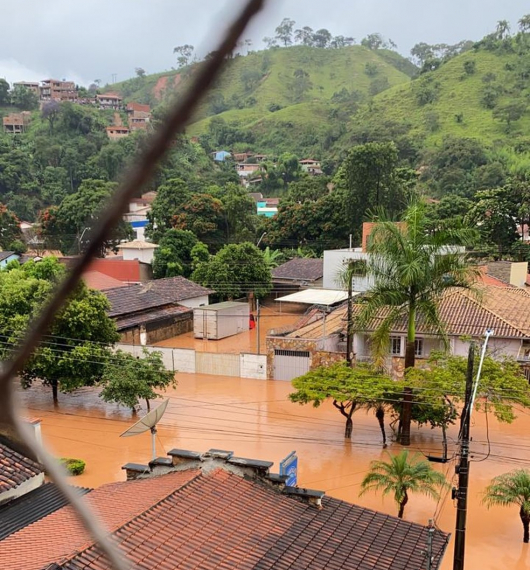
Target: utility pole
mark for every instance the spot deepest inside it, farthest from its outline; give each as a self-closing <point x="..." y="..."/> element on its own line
<point x="430" y="535"/>
<point x="258" y="310"/>
<point x="463" y="467"/>
<point x="349" y="337"/>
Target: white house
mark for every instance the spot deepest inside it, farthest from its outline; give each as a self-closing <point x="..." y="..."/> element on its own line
<point x="141" y="250"/>
<point x="6" y="257"/>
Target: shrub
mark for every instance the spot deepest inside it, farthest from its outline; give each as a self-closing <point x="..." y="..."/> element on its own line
<point x="470" y="67"/>
<point x="73" y="466"/>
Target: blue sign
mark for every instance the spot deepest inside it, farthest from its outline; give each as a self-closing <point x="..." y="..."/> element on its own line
<point x="289" y="467"/>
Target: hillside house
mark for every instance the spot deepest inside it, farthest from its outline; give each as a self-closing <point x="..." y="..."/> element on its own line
<point x="32" y="86"/>
<point x="16" y="123"/>
<point x="141" y="250"/>
<point x="505" y="310"/>
<point x="214" y="510"/>
<point x="138" y="116"/>
<point x="117" y="132"/>
<point x="109" y="101"/>
<point x="55" y="90"/>
<point x="247" y="170"/>
<point x="267" y="207"/>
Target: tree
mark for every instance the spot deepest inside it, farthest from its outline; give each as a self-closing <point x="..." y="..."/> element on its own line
<point x="511" y="489"/>
<point x="184" y="54"/>
<point x="240" y="213"/>
<point x="440" y="390"/>
<point x="284" y="31"/>
<point x="24" y="98"/>
<point x="410" y="270"/>
<point x="273" y="257"/>
<point x="503" y="29"/>
<point x="5" y="98"/>
<point x="374" y="41"/>
<point x="170" y="199"/>
<point x="322" y="38"/>
<point x="140" y="72"/>
<point x="304" y="36"/>
<point x="173" y="256"/>
<point x="78" y="343"/>
<point x="236" y="270"/>
<point x="126" y="379"/>
<point x="50" y="112"/>
<point x="510" y="113"/>
<point x="9" y="228"/>
<point x="401" y="476"/>
<point x="371" y="181"/>
<point x="524" y="24"/>
<point x="339" y="42"/>
<point x="422" y="52"/>
<point x="203" y="215"/>
<point x="350" y="389"/>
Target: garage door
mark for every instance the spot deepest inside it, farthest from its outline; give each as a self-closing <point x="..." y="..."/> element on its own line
<point x="289" y="364"/>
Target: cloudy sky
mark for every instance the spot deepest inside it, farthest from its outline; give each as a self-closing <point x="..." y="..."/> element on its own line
<point x="94" y="39"/>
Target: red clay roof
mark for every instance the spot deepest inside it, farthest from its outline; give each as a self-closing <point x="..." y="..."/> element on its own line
<point x="60" y="534"/>
<point x="221" y="520"/>
<point x="120" y="269"/>
<point x="15" y="468"/>
<point x="100" y="282"/>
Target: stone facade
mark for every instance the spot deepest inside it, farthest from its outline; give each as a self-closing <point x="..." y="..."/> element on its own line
<point x="158" y="331"/>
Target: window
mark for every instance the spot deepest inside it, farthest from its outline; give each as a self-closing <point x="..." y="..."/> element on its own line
<point x="395" y="345"/>
<point x="418" y="347"/>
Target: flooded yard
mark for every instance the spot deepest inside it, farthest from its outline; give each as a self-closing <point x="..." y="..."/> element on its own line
<point x="247" y="342"/>
<point x="254" y="419"/>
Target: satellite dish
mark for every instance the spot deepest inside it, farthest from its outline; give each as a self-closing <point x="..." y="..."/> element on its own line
<point x="148" y="423"/>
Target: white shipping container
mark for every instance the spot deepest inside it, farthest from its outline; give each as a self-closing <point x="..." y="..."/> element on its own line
<point x="221" y="320"/>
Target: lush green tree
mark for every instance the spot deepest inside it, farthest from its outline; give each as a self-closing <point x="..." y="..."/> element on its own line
<point x="5" y="98"/>
<point x="322" y="38"/>
<point x="238" y="269"/>
<point x="510" y="112"/>
<point x="493" y="214"/>
<point x="240" y="213"/>
<point x="24" y="98"/>
<point x="411" y="269"/>
<point x="127" y="379"/>
<point x="440" y="390"/>
<point x="304" y="36"/>
<point x="170" y="200"/>
<point x="511" y="489"/>
<point x="350" y="389"/>
<point x="284" y="32"/>
<point x="203" y="215"/>
<point x="371" y="181"/>
<point x="50" y="112"/>
<point x="184" y="54"/>
<point x="78" y="343"/>
<point x="401" y="475"/>
<point x="173" y="256"/>
<point x="9" y="228"/>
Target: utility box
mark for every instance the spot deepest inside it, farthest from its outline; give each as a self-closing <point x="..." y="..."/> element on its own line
<point x="214" y="322"/>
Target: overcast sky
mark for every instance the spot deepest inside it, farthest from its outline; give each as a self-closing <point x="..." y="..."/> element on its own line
<point x="94" y="39"/>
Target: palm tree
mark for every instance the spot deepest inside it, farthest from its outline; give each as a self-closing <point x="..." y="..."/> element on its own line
<point x="401" y="477"/>
<point x="524" y="23"/>
<point x="272" y="257"/>
<point x="410" y="268"/>
<point x="511" y="489"/>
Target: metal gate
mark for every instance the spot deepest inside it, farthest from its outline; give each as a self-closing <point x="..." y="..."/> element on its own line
<point x="289" y="364"/>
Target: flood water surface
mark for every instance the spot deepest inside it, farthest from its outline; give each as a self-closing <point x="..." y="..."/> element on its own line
<point x="255" y="419"/>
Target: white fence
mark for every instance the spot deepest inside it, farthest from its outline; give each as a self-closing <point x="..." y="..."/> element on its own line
<point x="217" y="364"/>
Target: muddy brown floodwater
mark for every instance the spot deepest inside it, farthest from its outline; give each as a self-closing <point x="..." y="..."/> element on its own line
<point x="254" y="419"/>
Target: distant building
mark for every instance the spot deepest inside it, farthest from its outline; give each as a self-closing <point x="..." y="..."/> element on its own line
<point x="141" y="250"/>
<point x="16" y="123"/>
<point x="55" y="90"/>
<point x="109" y="101"/>
<point x="221" y="155"/>
<point x="7" y="256"/>
<point x="31" y="85"/>
<point x="115" y="133"/>
<point x="138" y="116"/>
<point x="267" y="207"/>
<point x="298" y="273"/>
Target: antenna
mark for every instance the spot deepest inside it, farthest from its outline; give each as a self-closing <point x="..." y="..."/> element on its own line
<point x="148" y="422"/>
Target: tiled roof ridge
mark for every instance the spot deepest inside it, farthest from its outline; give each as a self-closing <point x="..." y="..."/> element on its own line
<point x="112" y="530"/>
<point x="474" y="300"/>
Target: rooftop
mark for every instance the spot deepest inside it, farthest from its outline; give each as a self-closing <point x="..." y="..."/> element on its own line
<point x="300" y="269"/>
<point x="6" y="254"/>
<point x="137" y="244"/>
<point x="100" y="282"/>
<point x="218" y="519"/>
<point x="15" y="468"/>
<point x="325" y="297"/>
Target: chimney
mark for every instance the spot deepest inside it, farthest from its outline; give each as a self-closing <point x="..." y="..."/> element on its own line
<point x="135" y="470"/>
<point x="310" y="496"/>
<point x="367" y="230"/>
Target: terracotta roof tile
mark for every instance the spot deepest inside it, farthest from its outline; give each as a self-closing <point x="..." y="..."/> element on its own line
<point x="300" y="269"/>
<point x="15" y="468"/>
<point x="223" y="521"/>
<point x="100" y="282"/>
<point x="60" y="534"/>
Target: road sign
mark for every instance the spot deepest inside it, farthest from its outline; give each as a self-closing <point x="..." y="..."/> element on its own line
<point x="289" y="467"/>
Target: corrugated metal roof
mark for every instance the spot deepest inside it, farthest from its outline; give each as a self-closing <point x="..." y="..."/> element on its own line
<point x="325" y="297"/>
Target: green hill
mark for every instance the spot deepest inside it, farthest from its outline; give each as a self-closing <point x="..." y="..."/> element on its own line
<point x="284" y="96"/>
<point x="472" y="95"/>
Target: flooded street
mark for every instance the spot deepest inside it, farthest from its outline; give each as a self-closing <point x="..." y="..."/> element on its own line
<point x="254" y="419"/>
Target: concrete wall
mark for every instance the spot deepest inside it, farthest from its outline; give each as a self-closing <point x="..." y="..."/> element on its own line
<point x="253" y="366"/>
<point x="184" y="360"/>
<point x="335" y="262"/>
<point x="159" y="331"/>
<point x="143" y="255"/>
